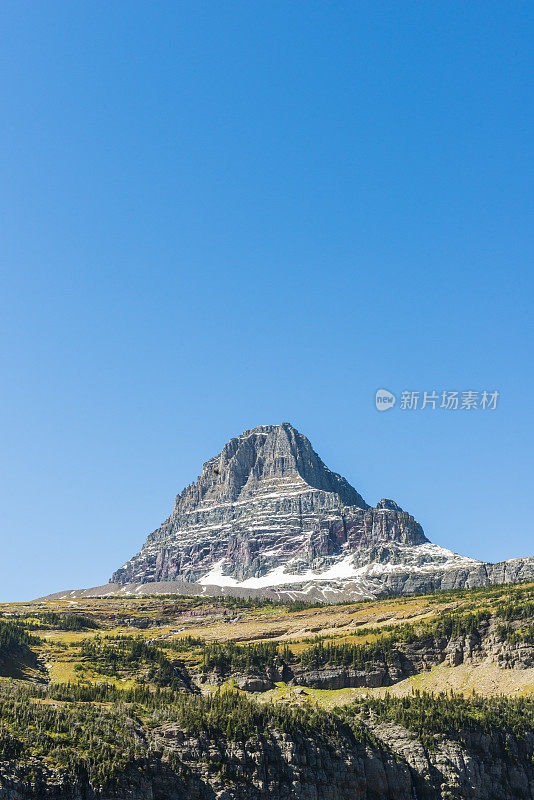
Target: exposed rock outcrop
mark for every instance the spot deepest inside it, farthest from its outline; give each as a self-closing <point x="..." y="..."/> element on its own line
<point x="279" y="766"/>
<point x="397" y="662"/>
<point x="266" y="502"/>
<point x="405" y="581"/>
<point x="266" y="512"/>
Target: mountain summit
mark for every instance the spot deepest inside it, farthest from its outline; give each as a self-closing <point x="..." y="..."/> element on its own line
<point x="267" y="512"/>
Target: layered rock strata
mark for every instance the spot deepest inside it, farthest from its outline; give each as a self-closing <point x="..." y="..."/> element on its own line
<point x="266" y="514"/>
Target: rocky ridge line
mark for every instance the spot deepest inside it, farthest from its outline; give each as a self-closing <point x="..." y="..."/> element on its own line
<point x="267" y="516"/>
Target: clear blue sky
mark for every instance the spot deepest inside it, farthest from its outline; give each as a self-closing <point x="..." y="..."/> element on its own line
<point x="220" y="215"/>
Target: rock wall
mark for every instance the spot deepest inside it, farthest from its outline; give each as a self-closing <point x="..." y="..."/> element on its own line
<point x="514" y="570"/>
<point x="267" y="510"/>
<point x="266" y="500"/>
<point x="405" y="660"/>
<point x="278" y="766"/>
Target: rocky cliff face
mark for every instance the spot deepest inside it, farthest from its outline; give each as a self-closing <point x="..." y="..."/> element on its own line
<point x="400" y="660"/>
<point x="393" y="765"/>
<point x="267" y="502"/>
<point x="397" y="767"/>
<point x="266" y="512"/>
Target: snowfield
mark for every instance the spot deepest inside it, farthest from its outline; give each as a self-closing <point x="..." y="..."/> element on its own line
<point x="418" y="559"/>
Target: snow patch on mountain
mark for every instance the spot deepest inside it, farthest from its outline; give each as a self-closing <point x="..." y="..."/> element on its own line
<point x="422" y="558"/>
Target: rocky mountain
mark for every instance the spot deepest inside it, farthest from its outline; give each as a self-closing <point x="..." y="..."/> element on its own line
<point x="266" y="513"/>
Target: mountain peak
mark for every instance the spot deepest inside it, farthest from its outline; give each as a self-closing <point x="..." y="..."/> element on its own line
<point x="264" y="460"/>
<point x="267" y="510"/>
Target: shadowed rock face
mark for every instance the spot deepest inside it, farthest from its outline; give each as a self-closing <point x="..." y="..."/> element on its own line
<point x="266" y="501"/>
<point x="395" y="765"/>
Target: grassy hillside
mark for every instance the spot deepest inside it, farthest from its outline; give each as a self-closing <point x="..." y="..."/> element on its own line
<point x="88" y="686"/>
<point x="159" y="641"/>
